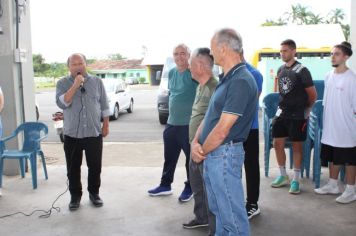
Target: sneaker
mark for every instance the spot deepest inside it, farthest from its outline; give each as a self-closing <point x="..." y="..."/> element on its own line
<point x="328" y="189"/>
<point x="194" y="224"/>
<point x="346" y="197"/>
<point x="280" y="181"/>
<point x="252" y="210"/>
<point x="186" y="195"/>
<point x="0" y="192"/>
<point x="294" y="187"/>
<point x="160" y="191"/>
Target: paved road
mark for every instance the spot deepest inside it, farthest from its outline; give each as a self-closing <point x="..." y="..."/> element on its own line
<point x="140" y="126"/>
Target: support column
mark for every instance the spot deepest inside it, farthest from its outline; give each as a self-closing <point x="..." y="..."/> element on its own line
<point x="16" y="78"/>
<point x="352" y="60"/>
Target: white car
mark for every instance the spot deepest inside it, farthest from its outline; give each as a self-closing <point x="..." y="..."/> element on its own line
<point x="131" y="80"/>
<point x="120" y="98"/>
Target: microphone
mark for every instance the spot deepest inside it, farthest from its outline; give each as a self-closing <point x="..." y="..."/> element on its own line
<point x="82" y="89"/>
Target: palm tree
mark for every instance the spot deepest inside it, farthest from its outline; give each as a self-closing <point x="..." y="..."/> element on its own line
<point x="346" y="30"/>
<point x="302" y="16"/>
<point x="292" y="16"/>
<point x="336" y="16"/>
<point x="299" y="14"/>
<point x="315" y="19"/>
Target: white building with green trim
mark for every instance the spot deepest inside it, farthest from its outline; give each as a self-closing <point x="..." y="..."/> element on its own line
<point x="120" y="69"/>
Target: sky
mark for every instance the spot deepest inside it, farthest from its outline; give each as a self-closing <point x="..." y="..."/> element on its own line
<point x="99" y="28"/>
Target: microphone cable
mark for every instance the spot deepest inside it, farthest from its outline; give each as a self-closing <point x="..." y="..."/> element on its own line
<point x="47" y="213"/>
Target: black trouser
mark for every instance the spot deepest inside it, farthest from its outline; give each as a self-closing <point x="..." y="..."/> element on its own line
<point x="73" y="148"/>
<point x="252" y="167"/>
<point x="175" y="138"/>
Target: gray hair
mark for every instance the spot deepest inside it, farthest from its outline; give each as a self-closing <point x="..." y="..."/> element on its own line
<point x="229" y="37"/>
<point x="205" y="56"/>
<point x="182" y="45"/>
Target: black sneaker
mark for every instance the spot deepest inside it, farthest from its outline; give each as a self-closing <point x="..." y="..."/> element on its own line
<point x="194" y="224"/>
<point x="252" y="210"/>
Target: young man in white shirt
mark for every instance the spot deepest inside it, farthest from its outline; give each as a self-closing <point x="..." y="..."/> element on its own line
<point x="339" y="124"/>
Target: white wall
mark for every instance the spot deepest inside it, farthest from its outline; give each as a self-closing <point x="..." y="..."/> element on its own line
<point x="352" y="60"/>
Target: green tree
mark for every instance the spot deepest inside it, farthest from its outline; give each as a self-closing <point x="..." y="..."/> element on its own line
<point x="346" y="30"/>
<point x="90" y="61"/>
<point x="116" y="56"/>
<point x="39" y="65"/>
<point x="336" y="16"/>
<point x="299" y="14"/>
<point x="57" y="70"/>
<point x="315" y="19"/>
<point x="302" y="16"/>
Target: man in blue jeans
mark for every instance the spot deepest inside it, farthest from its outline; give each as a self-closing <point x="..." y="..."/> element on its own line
<point x="182" y="89"/>
<point x="219" y="139"/>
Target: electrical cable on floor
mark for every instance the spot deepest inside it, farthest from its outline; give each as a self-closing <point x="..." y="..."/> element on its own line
<point x="46" y="214"/>
<point x="58" y="209"/>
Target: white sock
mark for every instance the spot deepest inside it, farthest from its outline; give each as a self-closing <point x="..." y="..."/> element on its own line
<point x="333" y="182"/>
<point x="350" y="188"/>
<point x="283" y="171"/>
<point x="296" y="175"/>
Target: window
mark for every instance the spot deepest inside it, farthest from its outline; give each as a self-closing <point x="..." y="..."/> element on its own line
<point x="138" y="75"/>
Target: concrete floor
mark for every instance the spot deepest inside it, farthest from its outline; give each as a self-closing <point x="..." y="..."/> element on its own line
<point x="130" y="169"/>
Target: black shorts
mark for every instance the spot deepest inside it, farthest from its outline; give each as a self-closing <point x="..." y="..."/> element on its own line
<point x="295" y="130"/>
<point x="338" y="155"/>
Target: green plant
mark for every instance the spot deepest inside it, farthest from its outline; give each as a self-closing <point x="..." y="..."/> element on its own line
<point x="142" y="80"/>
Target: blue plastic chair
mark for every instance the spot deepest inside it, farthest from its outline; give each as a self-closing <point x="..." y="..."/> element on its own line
<point x="313" y="142"/>
<point x="33" y="134"/>
<point x="319" y="87"/>
<point x="269" y="109"/>
<point x="308" y="144"/>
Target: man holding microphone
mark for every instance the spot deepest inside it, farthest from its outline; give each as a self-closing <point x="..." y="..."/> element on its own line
<point x="84" y="102"/>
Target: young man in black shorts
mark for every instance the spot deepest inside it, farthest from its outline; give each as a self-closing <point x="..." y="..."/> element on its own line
<point x="297" y="96"/>
<point x="339" y="124"/>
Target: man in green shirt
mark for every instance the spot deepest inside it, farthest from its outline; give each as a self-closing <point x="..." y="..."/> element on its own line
<point x="201" y="65"/>
<point x="176" y="135"/>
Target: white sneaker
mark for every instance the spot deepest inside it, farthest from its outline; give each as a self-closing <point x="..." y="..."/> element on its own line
<point x="0" y="192"/>
<point x="328" y="189"/>
<point x="346" y="197"/>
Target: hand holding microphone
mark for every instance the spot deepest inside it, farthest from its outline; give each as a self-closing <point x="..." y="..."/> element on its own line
<point x="80" y="79"/>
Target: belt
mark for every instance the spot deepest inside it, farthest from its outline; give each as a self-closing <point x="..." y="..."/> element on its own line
<point x="234" y="141"/>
